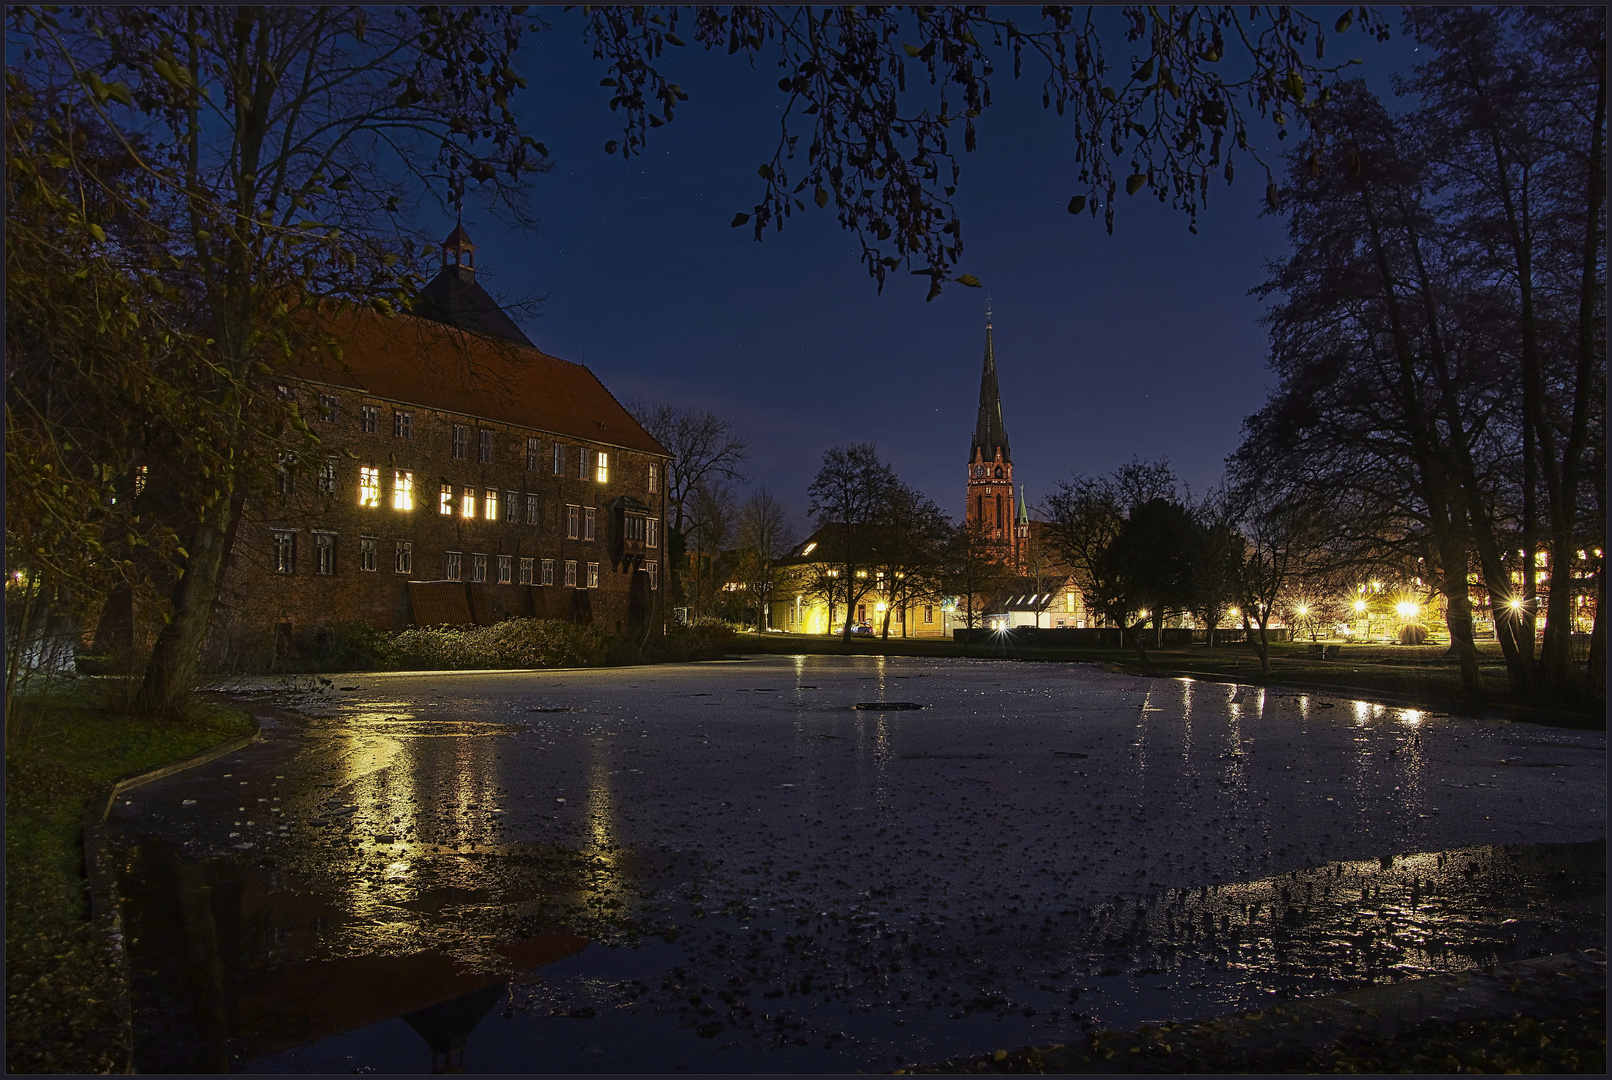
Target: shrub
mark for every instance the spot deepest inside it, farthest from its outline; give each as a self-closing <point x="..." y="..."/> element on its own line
<point x="513" y="643"/>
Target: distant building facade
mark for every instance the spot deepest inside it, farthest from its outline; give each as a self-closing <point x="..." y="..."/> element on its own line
<point x="464" y="477"/>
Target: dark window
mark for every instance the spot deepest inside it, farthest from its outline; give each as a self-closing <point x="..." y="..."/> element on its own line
<point x="461" y="441"/>
<point x="486" y="448"/>
<point x="366" y="553"/>
<point x="588" y="515"/>
<point x="402" y="424"/>
<point x="478" y="568"/>
<point x="285" y="552"/>
<point x="526" y="571"/>
<point x="329" y="408"/>
<point x="531" y="509"/>
<point x="654" y="574"/>
<point x="571" y="573"/>
<point x="593" y="575"/>
<point x="324" y="551"/>
<point x="573" y="522"/>
<point x="284" y="393"/>
<point x="404" y="563"/>
<point x="510" y="504"/>
<point x="369" y="418"/>
<point x="559" y="460"/>
<point x="534" y="455"/>
<point x="548" y="571"/>
<point x="283" y="479"/>
<point x="505" y="565"/>
<point x="327" y="477"/>
<point x="450" y="565"/>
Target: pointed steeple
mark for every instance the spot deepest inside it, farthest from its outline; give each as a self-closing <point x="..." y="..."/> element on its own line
<point x="989" y="431"/>
<point x="1023" y="517"/>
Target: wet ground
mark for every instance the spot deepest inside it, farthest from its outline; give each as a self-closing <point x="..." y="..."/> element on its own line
<point x="733" y="867"/>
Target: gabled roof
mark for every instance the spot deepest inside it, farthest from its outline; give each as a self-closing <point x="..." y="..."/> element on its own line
<point x="420" y="362"/>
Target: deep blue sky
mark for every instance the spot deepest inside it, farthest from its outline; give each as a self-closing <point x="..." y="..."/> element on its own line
<point x="1144" y="343"/>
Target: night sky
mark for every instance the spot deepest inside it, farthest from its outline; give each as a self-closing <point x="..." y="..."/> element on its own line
<point x="1144" y="343"/>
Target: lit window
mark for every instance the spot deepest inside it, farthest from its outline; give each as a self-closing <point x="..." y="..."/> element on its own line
<point x="588" y="515"/>
<point x="285" y="552"/>
<point x="485" y="450"/>
<point x="654" y="574"/>
<point x="548" y="572"/>
<point x="445" y="501"/>
<point x="601" y="468"/>
<point x="324" y="553"/>
<point x="511" y="501"/>
<point x="651" y="532"/>
<point x="450" y="565"/>
<point x="329" y="407"/>
<point x="505" y="566"/>
<point x="461" y="441"/>
<point x="369" y="485"/>
<point x="531" y="509"/>
<point x="570" y="573"/>
<point x="369" y="418"/>
<point x="402" y="490"/>
<point x="467" y="503"/>
<point x="478" y="568"/>
<point x="490" y="505"/>
<point x="402" y="424"/>
<point x="654" y="478"/>
<point x="593" y="575"/>
<point x="807" y="550"/>
<point x="559" y="460"/>
<point x="573" y="522"/>
<point x="526" y="571"/>
<point x="929" y="613"/>
<point x="403" y="562"/>
<point x="366" y="553"/>
<point x="533" y="454"/>
<point x="327" y="477"/>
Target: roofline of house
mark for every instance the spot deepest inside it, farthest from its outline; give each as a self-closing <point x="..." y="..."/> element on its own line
<point x="524" y="427"/>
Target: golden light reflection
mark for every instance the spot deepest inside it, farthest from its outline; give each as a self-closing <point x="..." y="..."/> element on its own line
<point x="1411" y="716"/>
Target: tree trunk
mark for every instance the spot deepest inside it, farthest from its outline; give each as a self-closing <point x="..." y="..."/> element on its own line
<point x="1261" y="644"/>
<point x="1458" y="610"/>
<point x="171" y="673"/>
<point x="1135" y="634"/>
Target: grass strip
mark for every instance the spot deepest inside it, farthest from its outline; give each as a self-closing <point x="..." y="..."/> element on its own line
<point x="62" y="980"/>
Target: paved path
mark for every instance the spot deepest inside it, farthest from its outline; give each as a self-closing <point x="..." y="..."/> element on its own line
<point x="810" y="885"/>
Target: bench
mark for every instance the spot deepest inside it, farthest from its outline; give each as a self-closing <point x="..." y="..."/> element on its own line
<point x="1320" y="651"/>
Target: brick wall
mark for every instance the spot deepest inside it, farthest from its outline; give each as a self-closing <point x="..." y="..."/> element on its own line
<point x="302" y="556"/>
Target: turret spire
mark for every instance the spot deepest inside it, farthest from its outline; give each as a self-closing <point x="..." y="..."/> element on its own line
<point x="990" y="433"/>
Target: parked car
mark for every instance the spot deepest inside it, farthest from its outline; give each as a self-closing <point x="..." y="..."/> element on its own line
<point x="861" y="630"/>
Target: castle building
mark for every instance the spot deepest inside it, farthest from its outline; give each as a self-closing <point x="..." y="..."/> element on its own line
<point x="464" y="476"/>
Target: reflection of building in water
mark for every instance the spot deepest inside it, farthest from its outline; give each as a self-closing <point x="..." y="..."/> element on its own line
<point x="446" y="1026"/>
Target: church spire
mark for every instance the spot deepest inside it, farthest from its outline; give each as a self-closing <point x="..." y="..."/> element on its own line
<point x="989" y="431"/>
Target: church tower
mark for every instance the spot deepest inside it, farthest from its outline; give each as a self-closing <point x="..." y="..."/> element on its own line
<point x="990" y="465"/>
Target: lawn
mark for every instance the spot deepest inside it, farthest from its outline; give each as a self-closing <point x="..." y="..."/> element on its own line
<point x="62" y="981"/>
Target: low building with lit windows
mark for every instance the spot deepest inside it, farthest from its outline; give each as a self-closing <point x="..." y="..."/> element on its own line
<point x="465" y="477"/>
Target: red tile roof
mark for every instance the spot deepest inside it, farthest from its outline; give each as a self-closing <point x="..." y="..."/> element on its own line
<point x="420" y="362"/>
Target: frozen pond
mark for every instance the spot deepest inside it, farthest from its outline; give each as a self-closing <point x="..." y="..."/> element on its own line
<point x="731" y="867"/>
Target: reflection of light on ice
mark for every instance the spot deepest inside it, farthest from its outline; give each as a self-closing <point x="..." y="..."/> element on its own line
<point x="1411" y="716"/>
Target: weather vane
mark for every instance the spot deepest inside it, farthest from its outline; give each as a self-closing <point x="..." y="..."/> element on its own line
<point x="987" y="312"/>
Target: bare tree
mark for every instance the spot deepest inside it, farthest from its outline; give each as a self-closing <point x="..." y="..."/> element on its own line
<point x="909" y="552"/>
<point x="766" y="535"/>
<point x="974" y="572"/>
<point x="849" y="494"/>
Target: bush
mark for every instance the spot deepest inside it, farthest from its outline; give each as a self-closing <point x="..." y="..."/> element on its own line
<point x="513" y="643"/>
<point x="1413" y="634"/>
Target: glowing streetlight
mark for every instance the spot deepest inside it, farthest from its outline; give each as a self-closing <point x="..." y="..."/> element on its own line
<point x="1406" y="609"/>
<point x="1360" y="606"/>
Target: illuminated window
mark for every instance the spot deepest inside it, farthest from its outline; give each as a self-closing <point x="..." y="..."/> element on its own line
<point x="403" y="561"/>
<point x="929" y="613"/>
<point x="450" y="565"/>
<point x="485" y="451"/>
<point x="402" y="490"/>
<point x="467" y="503"/>
<point x="324" y="553"/>
<point x="559" y="460"/>
<point x="445" y="501"/>
<point x="511" y="501"/>
<point x="526" y="571"/>
<point x="573" y="522"/>
<point x="533" y="454"/>
<point x="285" y="552"/>
<point x="654" y="478"/>
<point x="461" y="441"/>
<point x="366" y="553"/>
<point x="593" y="575"/>
<point x="654" y="574"/>
<point x="505" y="566"/>
<point x="369" y="486"/>
<point x="329" y="408"/>
<point x="490" y="505"/>
<point x="327" y="477"/>
<point x="531" y="509"/>
<point x="478" y="568"/>
<point x="588" y="515"/>
<point x="601" y="468"/>
<point x="402" y="424"/>
<point x="369" y="419"/>
<point x="651" y="532"/>
<point x="548" y="572"/>
<point x="807" y="550"/>
<point x="571" y="573"/>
